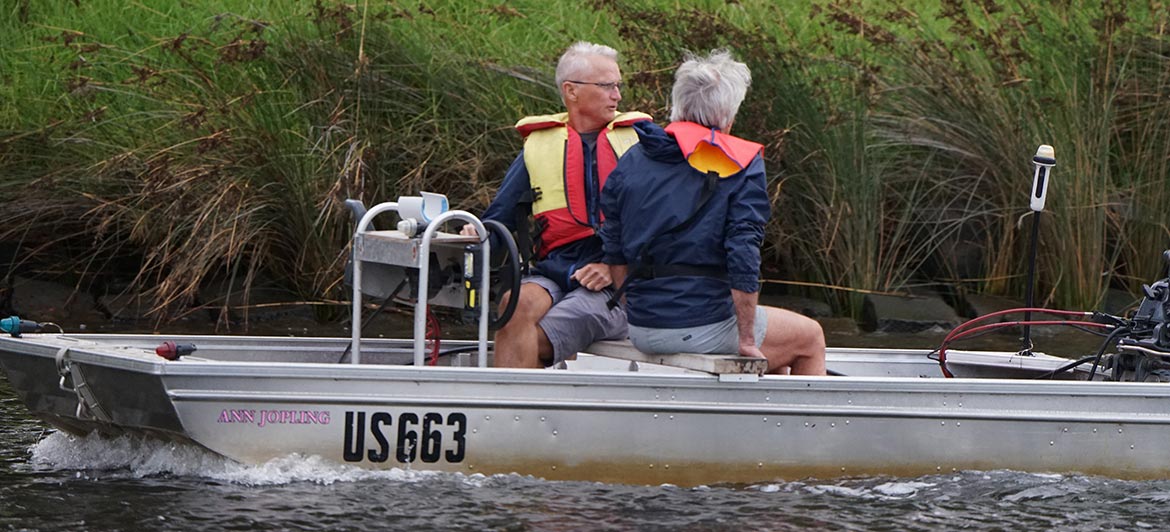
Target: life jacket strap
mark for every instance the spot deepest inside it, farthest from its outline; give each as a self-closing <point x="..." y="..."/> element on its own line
<point x="655" y="271"/>
<point x="524" y="240"/>
<point x="658" y="271"/>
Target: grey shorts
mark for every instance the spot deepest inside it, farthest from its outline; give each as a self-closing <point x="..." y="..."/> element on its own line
<point x="719" y="337"/>
<point x="578" y="318"/>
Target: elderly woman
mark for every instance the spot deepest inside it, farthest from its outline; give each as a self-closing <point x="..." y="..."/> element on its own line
<point x="684" y="219"/>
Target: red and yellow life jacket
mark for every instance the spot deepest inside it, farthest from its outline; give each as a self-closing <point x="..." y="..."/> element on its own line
<point x="555" y="161"/>
<point x="707" y="149"/>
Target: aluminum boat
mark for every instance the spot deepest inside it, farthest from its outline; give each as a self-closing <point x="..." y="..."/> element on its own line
<point x="612" y="414"/>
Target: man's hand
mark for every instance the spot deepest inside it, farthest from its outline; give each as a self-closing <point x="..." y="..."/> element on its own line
<point x="468" y="230"/>
<point x="750" y="350"/>
<point x="593" y="277"/>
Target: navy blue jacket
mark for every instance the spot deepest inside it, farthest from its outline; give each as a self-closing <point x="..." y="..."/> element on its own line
<point x="561" y="262"/>
<point x="654" y="189"/>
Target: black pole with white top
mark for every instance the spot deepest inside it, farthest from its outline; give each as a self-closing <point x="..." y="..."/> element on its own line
<point x="1043" y="162"/>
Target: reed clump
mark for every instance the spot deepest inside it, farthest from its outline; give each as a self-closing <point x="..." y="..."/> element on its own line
<point x="1011" y="77"/>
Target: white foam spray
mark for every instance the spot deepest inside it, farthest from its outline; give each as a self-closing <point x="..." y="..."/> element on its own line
<point x="138" y="457"/>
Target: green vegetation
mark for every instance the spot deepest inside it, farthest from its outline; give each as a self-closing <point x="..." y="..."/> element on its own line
<point x="176" y="143"/>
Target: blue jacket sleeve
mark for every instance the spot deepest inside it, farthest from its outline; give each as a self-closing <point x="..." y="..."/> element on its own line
<point x="611" y="229"/>
<point x="516" y="183"/>
<point x="749" y="212"/>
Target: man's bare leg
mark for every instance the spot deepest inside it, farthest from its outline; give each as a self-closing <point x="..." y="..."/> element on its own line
<point x="521" y="343"/>
<point x="793" y="341"/>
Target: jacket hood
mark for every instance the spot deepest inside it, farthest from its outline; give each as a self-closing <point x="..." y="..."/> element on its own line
<point x="657" y="143"/>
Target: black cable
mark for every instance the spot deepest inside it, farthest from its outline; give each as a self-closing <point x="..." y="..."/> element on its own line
<point x="370" y="319"/>
<point x="1065" y="368"/>
<point x="449" y="352"/>
<point x="457" y="350"/>
<point x="1111" y="339"/>
<point x="1089" y="330"/>
<point x="1096" y="358"/>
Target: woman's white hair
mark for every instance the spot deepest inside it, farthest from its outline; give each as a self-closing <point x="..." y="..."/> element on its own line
<point x="708" y="90"/>
<point x="575" y="61"/>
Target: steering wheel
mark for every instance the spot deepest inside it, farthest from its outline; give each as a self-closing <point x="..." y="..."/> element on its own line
<point x="513" y="264"/>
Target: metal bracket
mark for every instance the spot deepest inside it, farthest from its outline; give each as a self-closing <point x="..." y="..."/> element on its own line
<point x="87" y="405"/>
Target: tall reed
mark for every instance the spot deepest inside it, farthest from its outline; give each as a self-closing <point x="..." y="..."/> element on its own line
<point x="1142" y="197"/>
<point x="185" y="143"/>
<point x="987" y="97"/>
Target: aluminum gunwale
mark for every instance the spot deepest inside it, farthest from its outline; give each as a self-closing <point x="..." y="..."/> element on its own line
<point x="1015" y="387"/>
<point x="107" y="356"/>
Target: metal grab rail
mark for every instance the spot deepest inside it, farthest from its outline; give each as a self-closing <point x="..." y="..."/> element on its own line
<point x="420" y="307"/>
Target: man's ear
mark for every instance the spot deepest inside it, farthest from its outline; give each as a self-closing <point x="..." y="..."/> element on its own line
<point x="569" y="91"/>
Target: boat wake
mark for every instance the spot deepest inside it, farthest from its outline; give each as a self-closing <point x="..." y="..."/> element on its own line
<point x="95" y="456"/>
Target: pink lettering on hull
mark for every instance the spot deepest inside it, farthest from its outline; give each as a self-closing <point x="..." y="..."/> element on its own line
<point x="263" y="418"/>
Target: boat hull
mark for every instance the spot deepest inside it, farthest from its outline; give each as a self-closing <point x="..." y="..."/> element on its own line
<point x="258" y="399"/>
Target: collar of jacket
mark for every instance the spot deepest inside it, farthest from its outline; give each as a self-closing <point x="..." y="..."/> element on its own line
<point x="529" y="124"/>
<point x="707" y="149"/>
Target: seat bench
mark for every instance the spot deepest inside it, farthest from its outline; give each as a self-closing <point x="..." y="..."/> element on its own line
<point x="718" y="364"/>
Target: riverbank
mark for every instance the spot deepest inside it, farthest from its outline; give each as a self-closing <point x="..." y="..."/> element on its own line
<point x="160" y="150"/>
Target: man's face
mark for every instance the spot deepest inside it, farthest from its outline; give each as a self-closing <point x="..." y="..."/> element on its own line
<point x="594" y="104"/>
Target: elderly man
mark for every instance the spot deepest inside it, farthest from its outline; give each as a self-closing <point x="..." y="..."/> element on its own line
<point x="685" y="213"/>
<point x="566" y="160"/>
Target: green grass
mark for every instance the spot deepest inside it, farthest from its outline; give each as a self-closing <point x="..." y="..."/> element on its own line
<point x="177" y="143"/>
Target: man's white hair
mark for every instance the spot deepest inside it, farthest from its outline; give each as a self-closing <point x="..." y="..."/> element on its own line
<point x="574" y="63"/>
<point x="708" y="90"/>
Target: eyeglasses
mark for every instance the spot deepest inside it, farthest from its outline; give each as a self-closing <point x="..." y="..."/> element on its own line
<point x="604" y="86"/>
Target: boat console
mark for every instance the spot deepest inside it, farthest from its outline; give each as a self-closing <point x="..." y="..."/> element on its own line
<point x="439" y="268"/>
<point x="1144" y="354"/>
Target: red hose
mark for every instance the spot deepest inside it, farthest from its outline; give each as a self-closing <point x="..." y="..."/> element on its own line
<point x="965" y="329"/>
<point x="434" y="332"/>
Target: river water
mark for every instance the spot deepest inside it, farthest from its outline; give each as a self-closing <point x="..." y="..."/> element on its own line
<point x="49" y="481"/>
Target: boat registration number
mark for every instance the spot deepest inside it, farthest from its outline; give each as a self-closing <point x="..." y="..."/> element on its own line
<point x="405" y="437"/>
